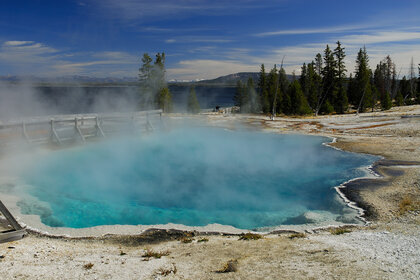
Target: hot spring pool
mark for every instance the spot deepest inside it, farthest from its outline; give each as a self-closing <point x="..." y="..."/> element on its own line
<point x="194" y="177"/>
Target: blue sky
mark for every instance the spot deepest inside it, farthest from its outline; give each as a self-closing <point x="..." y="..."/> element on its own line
<point x="201" y="38"/>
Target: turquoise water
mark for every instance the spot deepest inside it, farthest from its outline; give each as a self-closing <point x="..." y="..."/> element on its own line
<point x="195" y="177"/>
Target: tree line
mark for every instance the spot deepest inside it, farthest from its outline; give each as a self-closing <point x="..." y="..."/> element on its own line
<point x="324" y="88"/>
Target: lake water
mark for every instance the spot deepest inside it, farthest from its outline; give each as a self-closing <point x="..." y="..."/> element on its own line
<point x="195" y="177"/>
<point x="19" y="101"/>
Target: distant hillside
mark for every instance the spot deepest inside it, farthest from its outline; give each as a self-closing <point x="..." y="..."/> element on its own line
<point x="232" y="79"/>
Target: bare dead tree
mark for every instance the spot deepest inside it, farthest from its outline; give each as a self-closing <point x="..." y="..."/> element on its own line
<point x="361" y="100"/>
<point x="412" y="80"/>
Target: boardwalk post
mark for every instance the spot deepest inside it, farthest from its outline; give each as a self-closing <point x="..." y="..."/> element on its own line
<point x="98" y="128"/>
<point x="25" y="134"/>
<point x="10" y="235"/>
<point x="54" y="134"/>
<point x="78" y="130"/>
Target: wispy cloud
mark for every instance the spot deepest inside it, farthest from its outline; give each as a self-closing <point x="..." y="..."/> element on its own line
<point x="380" y="37"/>
<point x="198" y="39"/>
<point x="141" y="9"/>
<point x="34" y="58"/>
<point x="101" y="64"/>
<point x="27" y="57"/>
<point x="318" y="30"/>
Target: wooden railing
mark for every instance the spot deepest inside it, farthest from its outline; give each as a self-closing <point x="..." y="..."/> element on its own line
<point x="80" y="127"/>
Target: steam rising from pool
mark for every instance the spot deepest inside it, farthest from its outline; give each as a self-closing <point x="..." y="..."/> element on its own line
<point x="195" y="177"/>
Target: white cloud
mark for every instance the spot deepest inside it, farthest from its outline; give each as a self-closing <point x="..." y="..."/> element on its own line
<point x="17" y="43"/>
<point x="169" y="41"/>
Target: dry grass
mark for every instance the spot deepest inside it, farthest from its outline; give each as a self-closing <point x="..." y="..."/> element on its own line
<point x="166" y="271"/>
<point x="297" y="235"/>
<point x="88" y="266"/>
<point x="408" y="204"/>
<point x="230" y="266"/>
<point x="250" y="236"/>
<point x="187" y="240"/>
<point x="154" y="254"/>
<point x="203" y="240"/>
<point x="338" y="231"/>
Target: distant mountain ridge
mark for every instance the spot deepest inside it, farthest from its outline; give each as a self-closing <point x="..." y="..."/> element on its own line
<point x="226" y="80"/>
<point x="233" y="78"/>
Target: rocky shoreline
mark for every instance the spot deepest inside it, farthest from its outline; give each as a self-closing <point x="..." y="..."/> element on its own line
<point x="352" y="189"/>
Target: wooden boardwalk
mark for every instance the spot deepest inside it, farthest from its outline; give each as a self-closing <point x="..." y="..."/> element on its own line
<point x="81" y="127"/>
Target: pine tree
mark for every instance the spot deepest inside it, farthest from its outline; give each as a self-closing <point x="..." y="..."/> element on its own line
<point x="329" y="74"/>
<point x="153" y="87"/>
<point x="158" y="71"/>
<point x="341" y="102"/>
<point x="405" y="89"/>
<point x="386" y="102"/>
<point x="299" y="104"/>
<point x="303" y="80"/>
<point x="286" y="105"/>
<point x="379" y="80"/>
<point x="164" y="100"/>
<point x="352" y="91"/>
<point x="284" y="102"/>
<point x="368" y="98"/>
<point x="375" y="94"/>
<point x="388" y="73"/>
<point x="313" y="80"/>
<point x="399" y="99"/>
<point x="263" y="90"/>
<point x="362" y="80"/>
<point x="193" y="106"/>
<point x="145" y="83"/>
<point x="318" y="64"/>
<point x="385" y="81"/>
<point x="145" y="72"/>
